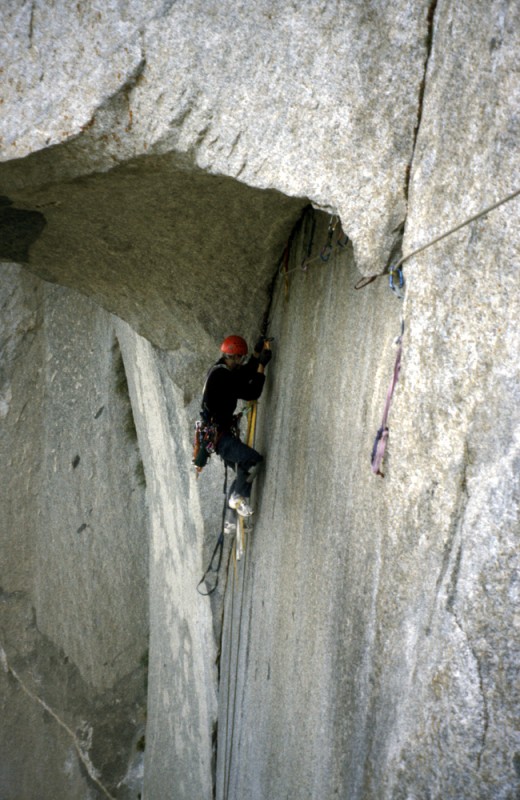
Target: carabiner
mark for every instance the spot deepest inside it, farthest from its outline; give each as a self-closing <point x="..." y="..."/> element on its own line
<point x="397" y="275"/>
<point x="326" y="250"/>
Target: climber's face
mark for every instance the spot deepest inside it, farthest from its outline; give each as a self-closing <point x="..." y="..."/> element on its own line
<point x="234" y="361"/>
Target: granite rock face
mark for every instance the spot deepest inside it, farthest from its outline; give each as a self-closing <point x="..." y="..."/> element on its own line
<point x="318" y="100"/>
<point x="182" y="674"/>
<point x="74" y="544"/>
<point x="459" y="402"/>
<point x="151" y="240"/>
<point x="155" y="168"/>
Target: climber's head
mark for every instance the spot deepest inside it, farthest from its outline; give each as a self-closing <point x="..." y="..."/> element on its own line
<point x="234" y="349"/>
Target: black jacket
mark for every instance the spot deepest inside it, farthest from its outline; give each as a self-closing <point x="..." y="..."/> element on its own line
<point x="224" y="387"/>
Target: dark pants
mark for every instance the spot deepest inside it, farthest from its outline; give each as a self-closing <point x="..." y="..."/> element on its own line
<point x="239" y="456"/>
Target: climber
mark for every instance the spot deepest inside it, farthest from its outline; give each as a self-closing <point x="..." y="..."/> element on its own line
<point x="231" y="379"/>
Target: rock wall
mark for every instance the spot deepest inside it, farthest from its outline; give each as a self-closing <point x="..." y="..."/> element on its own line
<point x="155" y="167"/>
<point x="317" y="100"/>
<point x="368" y="641"/>
<point x="74" y="572"/>
<point x="182" y="675"/>
<point x="308" y="646"/>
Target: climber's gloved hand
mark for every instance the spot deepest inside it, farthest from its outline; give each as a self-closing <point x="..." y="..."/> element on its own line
<point x="265" y="357"/>
<point x="259" y="345"/>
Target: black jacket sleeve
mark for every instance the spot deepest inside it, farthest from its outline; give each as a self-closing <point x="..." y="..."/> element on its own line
<point x="250" y="382"/>
<point x="217" y="401"/>
<point x="224" y="387"/>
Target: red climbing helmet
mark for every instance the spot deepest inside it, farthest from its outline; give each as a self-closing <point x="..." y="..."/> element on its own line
<point x="234" y="346"/>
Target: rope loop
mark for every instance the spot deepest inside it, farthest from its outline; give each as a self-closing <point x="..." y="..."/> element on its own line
<point x="219" y="547"/>
<point x="211" y="568"/>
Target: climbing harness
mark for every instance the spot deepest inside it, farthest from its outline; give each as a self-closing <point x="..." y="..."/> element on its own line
<point x="213" y="568"/>
<point x="207" y="434"/>
<point x="205" y="442"/>
<point x="206" y="439"/>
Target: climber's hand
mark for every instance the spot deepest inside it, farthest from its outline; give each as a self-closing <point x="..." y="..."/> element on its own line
<point x="259" y="346"/>
<point x="265" y="357"/>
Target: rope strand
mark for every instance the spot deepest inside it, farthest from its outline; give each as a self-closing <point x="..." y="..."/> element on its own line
<point x="457" y="227"/>
<point x="367" y="279"/>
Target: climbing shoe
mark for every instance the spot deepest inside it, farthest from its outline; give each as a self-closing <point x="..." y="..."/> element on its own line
<point x="240" y="505"/>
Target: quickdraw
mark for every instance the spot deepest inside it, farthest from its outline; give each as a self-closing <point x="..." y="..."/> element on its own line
<point x="395" y="280"/>
<point x="310" y="243"/>
<point x="326" y="250"/>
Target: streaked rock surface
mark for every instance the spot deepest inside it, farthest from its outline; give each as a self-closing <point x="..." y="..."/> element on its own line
<point x="74" y="573"/>
<point x="370" y="645"/>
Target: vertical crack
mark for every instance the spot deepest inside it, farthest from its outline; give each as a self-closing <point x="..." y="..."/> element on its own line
<point x="430" y="24"/>
<point x="31" y="25"/>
